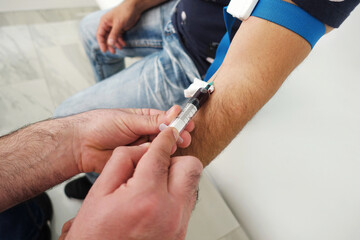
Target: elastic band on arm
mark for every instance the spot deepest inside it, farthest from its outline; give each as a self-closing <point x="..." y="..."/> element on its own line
<point x="291" y="17"/>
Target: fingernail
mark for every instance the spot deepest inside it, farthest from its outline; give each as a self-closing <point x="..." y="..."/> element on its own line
<point x="168" y="112"/>
<point x="176" y="133"/>
<point x="111" y="42"/>
<point x="147" y="144"/>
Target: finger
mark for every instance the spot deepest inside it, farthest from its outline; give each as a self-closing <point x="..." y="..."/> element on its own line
<point x="153" y="167"/>
<point x="172" y="113"/>
<point x="157" y="120"/>
<point x="184" y="176"/>
<point x="147" y="111"/>
<point x="111" y="49"/>
<point x="190" y="126"/>
<point x="147" y="123"/>
<point x="63" y="236"/>
<point x="65" y="229"/>
<point x="140" y="141"/>
<point x="101" y="35"/>
<point x="118" y="169"/>
<point x="186" y="137"/>
<point x="117" y="45"/>
<point x="114" y="33"/>
<point x="121" y="41"/>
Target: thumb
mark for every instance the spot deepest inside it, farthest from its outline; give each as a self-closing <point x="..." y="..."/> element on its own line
<point x="118" y="169"/>
<point x="153" y="167"/>
<point x="114" y="33"/>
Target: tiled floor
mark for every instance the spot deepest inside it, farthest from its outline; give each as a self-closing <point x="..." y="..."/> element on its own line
<point x="41" y="64"/>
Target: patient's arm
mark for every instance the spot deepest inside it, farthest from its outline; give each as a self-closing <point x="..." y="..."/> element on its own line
<point x="261" y="56"/>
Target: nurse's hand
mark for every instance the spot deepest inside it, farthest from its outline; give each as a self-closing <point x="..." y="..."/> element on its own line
<point x="97" y="133"/>
<point x="142" y="193"/>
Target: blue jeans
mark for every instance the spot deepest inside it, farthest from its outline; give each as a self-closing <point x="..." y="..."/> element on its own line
<point x="156" y="81"/>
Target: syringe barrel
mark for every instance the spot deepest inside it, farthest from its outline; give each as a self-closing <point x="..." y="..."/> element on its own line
<point x="185" y="116"/>
<point x="191" y="107"/>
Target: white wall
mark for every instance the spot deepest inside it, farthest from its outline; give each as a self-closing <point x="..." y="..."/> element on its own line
<point x="21" y="5"/>
<point x="294" y="171"/>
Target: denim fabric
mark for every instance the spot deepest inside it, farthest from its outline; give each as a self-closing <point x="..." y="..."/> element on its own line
<point x="157" y="81"/>
<point x="23" y="221"/>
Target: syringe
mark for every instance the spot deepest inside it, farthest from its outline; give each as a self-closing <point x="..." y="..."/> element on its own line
<point x="190" y="109"/>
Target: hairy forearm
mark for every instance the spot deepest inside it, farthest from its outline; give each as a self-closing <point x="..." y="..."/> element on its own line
<point x="261" y="56"/>
<point x="34" y="159"/>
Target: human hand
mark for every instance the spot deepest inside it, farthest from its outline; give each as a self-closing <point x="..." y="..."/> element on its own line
<point x="96" y="134"/>
<point x="114" y="23"/>
<point x="142" y="193"/>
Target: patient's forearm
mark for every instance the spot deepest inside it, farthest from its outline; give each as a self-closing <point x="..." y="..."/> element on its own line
<point x="261" y="56"/>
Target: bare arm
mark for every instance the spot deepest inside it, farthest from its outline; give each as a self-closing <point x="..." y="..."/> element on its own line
<point x="261" y="56"/>
<point x="34" y="159"/>
<point x="44" y="154"/>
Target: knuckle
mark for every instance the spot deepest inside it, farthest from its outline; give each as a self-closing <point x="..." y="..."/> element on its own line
<point x="145" y="111"/>
<point x="198" y="166"/>
<point x="193" y="180"/>
<point x="163" y="153"/>
<point x="161" y="169"/>
<point x="149" y="205"/>
<point x="192" y="164"/>
<point x="162" y="162"/>
<point x="193" y="173"/>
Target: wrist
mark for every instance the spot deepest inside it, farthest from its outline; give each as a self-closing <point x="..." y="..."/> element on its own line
<point x="143" y="5"/>
<point x="71" y="136"/>
<point x="62" y="131"/>
<point x="136" y="6"/>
